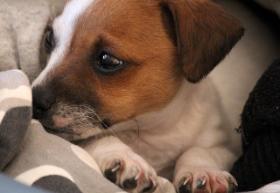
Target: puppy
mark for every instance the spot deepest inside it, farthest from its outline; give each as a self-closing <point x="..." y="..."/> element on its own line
<point x="126" y="77"/>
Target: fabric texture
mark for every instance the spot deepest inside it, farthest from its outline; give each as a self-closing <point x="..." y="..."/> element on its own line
<point x="21" y="31"/>
<point x="51" y="163"/>
<point x="15" y="104"/>
<point x="260" y="162"/>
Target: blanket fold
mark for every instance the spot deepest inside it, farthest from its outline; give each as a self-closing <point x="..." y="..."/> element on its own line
<point x="15" y="113"/>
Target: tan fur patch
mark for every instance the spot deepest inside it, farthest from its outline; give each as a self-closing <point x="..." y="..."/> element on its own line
<point x="152" y="76"/>
<point x="161" y="42"/>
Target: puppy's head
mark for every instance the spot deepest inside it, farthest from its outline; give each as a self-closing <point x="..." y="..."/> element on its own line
<point x="113" y="60"/>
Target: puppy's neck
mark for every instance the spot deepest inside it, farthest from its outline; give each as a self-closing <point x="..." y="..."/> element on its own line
<point x="168" y="116"/>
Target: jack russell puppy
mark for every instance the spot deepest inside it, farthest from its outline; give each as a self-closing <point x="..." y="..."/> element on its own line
<point x="127" y="78"/>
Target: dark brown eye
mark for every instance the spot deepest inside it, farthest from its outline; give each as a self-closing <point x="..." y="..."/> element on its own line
<point x="108" y="64"/>
<point x="49" y="40"/>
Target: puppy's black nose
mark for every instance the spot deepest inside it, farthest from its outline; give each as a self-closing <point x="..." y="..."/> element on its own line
<point x="43" y="99"/>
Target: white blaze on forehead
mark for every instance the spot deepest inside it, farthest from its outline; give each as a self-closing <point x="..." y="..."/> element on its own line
<point x="64" y="27"/>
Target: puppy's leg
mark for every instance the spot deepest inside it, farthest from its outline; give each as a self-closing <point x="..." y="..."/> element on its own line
<point x="122" y="166"/>
<point x="201" y="170"/>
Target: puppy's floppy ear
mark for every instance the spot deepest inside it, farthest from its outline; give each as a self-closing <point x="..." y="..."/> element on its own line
<point x="205" y="33"/>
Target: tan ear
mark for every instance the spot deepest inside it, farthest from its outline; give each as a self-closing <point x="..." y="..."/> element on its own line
<point x="205" y="34"/>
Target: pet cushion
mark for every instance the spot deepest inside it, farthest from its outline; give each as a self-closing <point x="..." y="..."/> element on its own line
<point x="22" y="24"/>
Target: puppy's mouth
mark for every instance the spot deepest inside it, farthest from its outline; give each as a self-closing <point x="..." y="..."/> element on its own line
<point x="74" y="132"/>
<point x="58" y="131"/>
<point x="74" y="122"/>
<point x="74" y="129"/>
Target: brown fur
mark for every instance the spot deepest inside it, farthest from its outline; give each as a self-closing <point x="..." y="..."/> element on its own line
<point x="151" y="78"/>
<point x="205" y="34"/>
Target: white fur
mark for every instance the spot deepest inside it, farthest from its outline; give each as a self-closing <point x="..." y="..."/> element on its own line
<point x="191" y="119"/>
<point x="64" y="27"/>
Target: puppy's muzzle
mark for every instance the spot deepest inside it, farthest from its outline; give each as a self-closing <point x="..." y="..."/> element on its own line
<point x="72" y="121"/>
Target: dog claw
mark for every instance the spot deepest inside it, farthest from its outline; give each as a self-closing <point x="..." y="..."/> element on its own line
<point x="129" y="171"/>
<point x="201" y="183"/>
<point x="149" y="188"/>
<point x="185" y="185"/>
<point x="232" y="185"/>
<point x="130" y="184"/>
<point x="111" y="173"/>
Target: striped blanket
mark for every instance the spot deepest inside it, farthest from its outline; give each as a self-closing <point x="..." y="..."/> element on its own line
<point x="15" y="113"/>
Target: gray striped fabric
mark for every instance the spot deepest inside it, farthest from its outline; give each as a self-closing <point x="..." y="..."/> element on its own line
<point x="15" y="113"/>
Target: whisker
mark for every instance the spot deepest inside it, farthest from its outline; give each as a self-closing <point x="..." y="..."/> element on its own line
<point x="85" y="117"/>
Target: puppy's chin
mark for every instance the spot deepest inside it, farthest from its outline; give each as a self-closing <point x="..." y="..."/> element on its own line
<point x="72" y="122"/>
<point x="70" y="130"/>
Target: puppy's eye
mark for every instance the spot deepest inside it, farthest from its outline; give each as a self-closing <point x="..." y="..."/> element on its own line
<point x="49" y="40"/>
<point x="108" y="64"/>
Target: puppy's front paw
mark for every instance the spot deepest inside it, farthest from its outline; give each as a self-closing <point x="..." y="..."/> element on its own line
<point x="129" y="171"/>
<point x="199" y="180"/>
